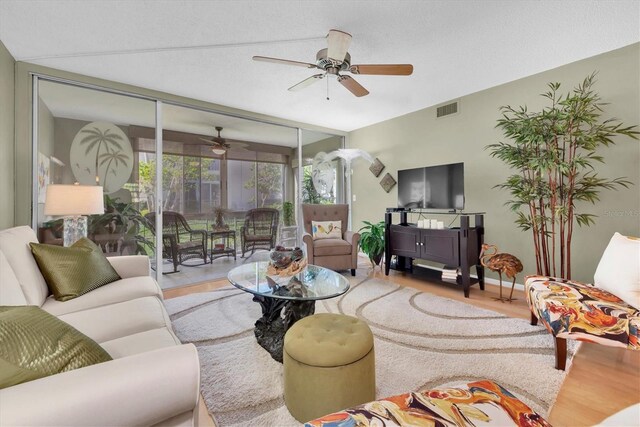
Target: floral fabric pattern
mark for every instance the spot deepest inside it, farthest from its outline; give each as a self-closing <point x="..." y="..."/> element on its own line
<point x="570" y="309"/>
<point x="481" y="403"/>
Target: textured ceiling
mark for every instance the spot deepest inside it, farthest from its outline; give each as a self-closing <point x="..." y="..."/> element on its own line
<point x="457" y="47"/>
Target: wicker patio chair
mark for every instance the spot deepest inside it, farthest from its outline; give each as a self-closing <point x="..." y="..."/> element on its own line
<point x="180" y="242"/>
<point x="259" y="230"/>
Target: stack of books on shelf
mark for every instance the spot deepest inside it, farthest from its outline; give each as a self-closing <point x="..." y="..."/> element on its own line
<point x="450" y="274"/>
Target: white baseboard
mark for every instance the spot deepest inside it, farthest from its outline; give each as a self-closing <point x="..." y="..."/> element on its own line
<point x="496" y="282"/>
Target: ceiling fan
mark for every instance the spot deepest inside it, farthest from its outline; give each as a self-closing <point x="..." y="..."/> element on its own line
<point x="218" y="144"/>
<point x="335" y="60"/>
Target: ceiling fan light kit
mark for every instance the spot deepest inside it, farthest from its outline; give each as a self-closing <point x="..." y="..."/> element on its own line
<point x="218" y="144"/>
<point x="335" y="59"/>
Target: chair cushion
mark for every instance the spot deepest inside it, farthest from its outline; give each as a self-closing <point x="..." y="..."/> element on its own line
<point x="629" y="416"/>
<point x="36" y="344"/>
<point x="14" y="242"/>
<point x="141" y="342"/>
<point x="570" y="309"/>
<point x="115" y="292"/>
<point x="478" y="403"/>
<point x="328" y="339"/>
<point x="73" y="271"/>
<point x="619" y="269"/>
<point x="327" y="247"/>
<point x="119" y="320"/>
<point x="189" y="245"/>
<point x="10" y="290"/>
<point x="326" y="230"/>
<point x="257" y="237"/>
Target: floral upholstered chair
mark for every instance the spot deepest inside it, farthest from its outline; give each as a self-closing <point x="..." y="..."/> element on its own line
<point x="480" y="403"/>
<point x="583" y="312"/>
<point x="593" y="313"/>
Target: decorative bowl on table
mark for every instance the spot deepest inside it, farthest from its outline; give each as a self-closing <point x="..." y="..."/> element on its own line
<point x="284" y="263"/>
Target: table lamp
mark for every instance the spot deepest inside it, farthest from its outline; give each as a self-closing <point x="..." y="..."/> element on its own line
<point x="73" y="202"/>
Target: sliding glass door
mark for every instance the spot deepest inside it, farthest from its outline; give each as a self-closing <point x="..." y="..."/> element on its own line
<point x="82" y="136"/>
<point x="216" y="170"/>
<point x="182" y="185"/>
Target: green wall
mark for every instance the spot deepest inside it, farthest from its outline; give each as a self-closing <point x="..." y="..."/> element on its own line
<point x="420" y="139"/>
<point x="7" y="117"/>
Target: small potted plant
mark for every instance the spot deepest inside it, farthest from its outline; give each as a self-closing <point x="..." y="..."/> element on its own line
<point x="120" y="228"/>
<point x="219" y="216"/>
<point x="372" y="241"/>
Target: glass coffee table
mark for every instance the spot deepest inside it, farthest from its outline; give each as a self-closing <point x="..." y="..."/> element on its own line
<point x="284" y="301"/>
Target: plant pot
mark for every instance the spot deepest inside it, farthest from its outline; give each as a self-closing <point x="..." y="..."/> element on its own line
<point x="375" y="259"/>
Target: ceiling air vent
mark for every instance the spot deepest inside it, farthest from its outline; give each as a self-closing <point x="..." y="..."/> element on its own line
<point x="447" y="110"/>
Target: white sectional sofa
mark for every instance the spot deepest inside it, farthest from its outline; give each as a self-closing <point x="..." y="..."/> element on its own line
<point x="153" y="379"/>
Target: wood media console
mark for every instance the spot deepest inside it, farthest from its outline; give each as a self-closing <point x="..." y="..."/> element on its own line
<point x="456" y="247"/>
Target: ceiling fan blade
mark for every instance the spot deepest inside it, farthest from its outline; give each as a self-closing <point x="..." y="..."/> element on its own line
<point x="338" y="44"/>
<point x="284" y="61"/>
<point x="233" y="145"/>
<point x="209" y="142"/>
<point x="353" y="86"/>
<point x="228" y="145"/>
<point x="306" y="82"/>
<point x="383" y="69"/>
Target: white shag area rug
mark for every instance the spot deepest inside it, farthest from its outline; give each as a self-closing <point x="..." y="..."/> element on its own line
<point x="421" y="341"/>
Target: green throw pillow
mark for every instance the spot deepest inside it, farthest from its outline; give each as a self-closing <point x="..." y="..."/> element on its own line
<point x="36" y="344"/>
<point x="73" y="271"/>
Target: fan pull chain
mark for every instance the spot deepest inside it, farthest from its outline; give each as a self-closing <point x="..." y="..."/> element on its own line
<point x="327" y="88"/>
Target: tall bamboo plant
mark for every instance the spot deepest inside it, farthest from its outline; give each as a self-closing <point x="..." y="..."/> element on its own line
<point x="553" y="153"/>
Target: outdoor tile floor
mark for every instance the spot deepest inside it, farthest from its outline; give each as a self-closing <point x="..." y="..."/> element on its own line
<point x="194" y="271"/>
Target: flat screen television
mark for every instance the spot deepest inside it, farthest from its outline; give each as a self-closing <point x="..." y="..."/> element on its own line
<point x="432" y="187"/>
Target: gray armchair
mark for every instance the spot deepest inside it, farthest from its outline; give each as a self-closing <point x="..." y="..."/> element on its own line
<point x="335" y="254"/>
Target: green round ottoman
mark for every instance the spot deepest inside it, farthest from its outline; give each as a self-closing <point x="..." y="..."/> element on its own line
<point x="329" y="365"/>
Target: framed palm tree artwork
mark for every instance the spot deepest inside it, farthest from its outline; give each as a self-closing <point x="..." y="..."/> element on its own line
<point x="101" y="154"/>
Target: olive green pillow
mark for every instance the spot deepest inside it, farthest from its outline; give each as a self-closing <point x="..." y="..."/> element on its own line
<point x="36" y="344"/>
<point x="73" y="271"/>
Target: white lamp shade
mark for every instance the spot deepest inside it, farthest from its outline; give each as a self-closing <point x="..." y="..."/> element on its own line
<point x="74" y="200"/>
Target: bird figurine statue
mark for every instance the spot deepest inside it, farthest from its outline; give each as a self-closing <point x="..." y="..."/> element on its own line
<point x="502" y="263"/>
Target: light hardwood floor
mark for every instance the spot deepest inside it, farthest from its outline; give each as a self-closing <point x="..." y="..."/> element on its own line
<point x="601" y="380"/>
